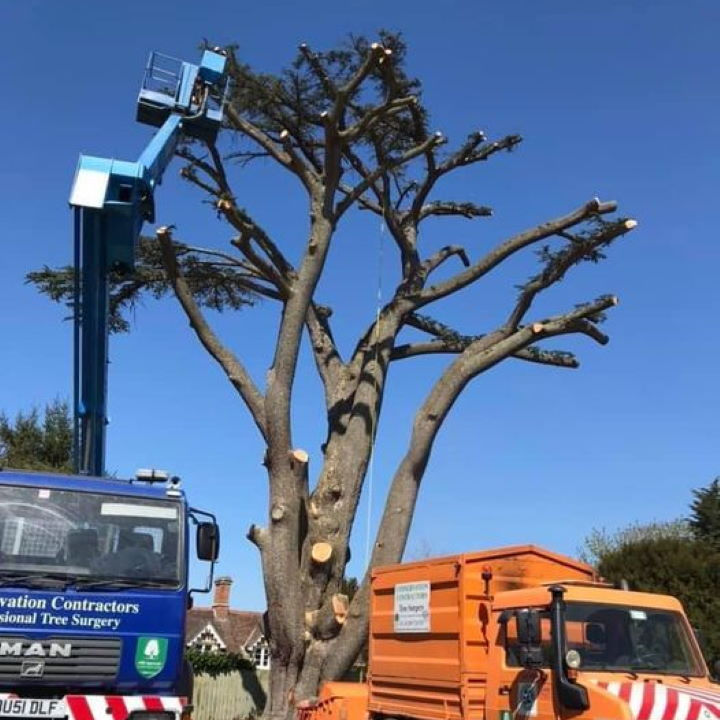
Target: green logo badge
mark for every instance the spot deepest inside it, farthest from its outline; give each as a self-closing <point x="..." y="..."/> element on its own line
<point x="150" y="655"/>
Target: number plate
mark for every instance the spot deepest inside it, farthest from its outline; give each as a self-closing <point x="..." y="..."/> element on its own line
<point x="29" y="708"/>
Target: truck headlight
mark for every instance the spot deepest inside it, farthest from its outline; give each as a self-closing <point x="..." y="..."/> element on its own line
<point x="573" y="659"/>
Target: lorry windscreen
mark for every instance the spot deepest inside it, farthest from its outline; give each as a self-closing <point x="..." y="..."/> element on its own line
<point x="97" y="540"/>
<point x="618" y="638"/>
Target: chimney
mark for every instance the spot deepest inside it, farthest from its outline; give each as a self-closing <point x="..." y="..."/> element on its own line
<point x="221" y="598"/>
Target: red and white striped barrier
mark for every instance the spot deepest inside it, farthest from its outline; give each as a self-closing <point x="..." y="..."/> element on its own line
<point x="118" y="707"/>
<point x="658" y="701"/>
<point x="90" y="707"/>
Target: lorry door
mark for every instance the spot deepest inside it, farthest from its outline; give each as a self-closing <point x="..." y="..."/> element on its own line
<point x="515" y="692"/>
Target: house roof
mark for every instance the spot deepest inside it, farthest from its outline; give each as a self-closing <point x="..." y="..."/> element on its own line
<point x="237" y="629"/>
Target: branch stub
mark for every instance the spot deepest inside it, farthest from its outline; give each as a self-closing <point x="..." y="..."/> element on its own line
<point x="321" y="552"/>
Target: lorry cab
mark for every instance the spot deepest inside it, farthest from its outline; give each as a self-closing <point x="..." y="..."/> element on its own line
<point x="94" y="588"/>
<point x="587" y="651"/>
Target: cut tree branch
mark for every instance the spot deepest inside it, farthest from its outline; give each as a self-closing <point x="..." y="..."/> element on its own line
<point x="382" y="208"/>
<point x="345" y="93"/>
<point x="467" y="154"/>
<point x="466" y="210"/>
<point x="314" y="62"/>
<point x="257" y="536"/>
<point x="390" y="164"/>
<point x="510" y="247"/>
<point x="450" y="341"/>
<point x="374" y="115"/>
<point x="558" y="263"/>
<point x="327" y="359"/>
<point x="190" y="175"/>
<point x="555" y="358"/>
<point x="265" y="269"/>
<point x="434" y="261"/>
<point x="579" y="320"/>
<point x="279" y="273"/>
<point x="303" y="172"/>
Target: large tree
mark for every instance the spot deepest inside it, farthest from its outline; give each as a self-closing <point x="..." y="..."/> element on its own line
<point x="349" y="126"/>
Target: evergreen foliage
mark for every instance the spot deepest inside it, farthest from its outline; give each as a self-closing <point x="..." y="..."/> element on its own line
<point x="38" y="442"/>
<point x="679" y="558"/>
<point x="682" y="567"/>
<point x="217" y="663"/>
<point x="215" y="283"/>
<point x="705" y="517"/>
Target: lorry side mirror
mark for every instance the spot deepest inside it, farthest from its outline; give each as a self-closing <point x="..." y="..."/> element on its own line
<point x="572" y="696"/>
<point x="208" y="541"/>
<point x="529" y="635"/>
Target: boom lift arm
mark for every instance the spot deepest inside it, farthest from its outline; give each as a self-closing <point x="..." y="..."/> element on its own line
<point x="111" y="200"/>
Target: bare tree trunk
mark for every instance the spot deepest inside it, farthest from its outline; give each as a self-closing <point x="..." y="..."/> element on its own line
<point x="281" y="694"/>
<point x="315" y="655"/>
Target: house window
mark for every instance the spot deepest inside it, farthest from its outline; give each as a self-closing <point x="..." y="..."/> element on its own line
<point x="260" y="654"/>
<point x="207" y="642"/>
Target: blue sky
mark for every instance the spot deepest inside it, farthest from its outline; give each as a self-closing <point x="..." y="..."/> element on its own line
<point x="617" y="99"/>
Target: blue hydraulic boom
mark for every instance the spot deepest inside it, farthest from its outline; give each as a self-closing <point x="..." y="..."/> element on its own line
<point x="111" y="200"/>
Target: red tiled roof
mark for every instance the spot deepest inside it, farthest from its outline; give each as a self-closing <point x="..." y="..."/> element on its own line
<point x="237" y="628"/>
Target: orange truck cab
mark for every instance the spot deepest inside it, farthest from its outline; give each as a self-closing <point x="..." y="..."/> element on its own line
<point x="521" y="633"/>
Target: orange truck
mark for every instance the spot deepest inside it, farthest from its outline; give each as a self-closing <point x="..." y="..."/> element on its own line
<point x="520" y="633"/>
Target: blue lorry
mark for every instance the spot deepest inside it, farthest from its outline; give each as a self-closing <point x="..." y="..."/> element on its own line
<point x="93" y="595"/>
<point x="94" y="570"/>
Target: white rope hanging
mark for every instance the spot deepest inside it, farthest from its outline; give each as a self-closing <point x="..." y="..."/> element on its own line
<point x="371" y="470"/>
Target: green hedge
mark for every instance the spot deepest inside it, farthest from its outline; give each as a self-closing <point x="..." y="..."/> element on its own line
<point x="215" y="663"/>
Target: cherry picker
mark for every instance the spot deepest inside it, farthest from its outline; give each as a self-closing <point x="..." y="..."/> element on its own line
<point x="94" y="570"/>
<point x="111" y="200"/>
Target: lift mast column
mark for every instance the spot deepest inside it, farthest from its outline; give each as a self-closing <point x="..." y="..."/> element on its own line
<point x="111" y="200"/>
